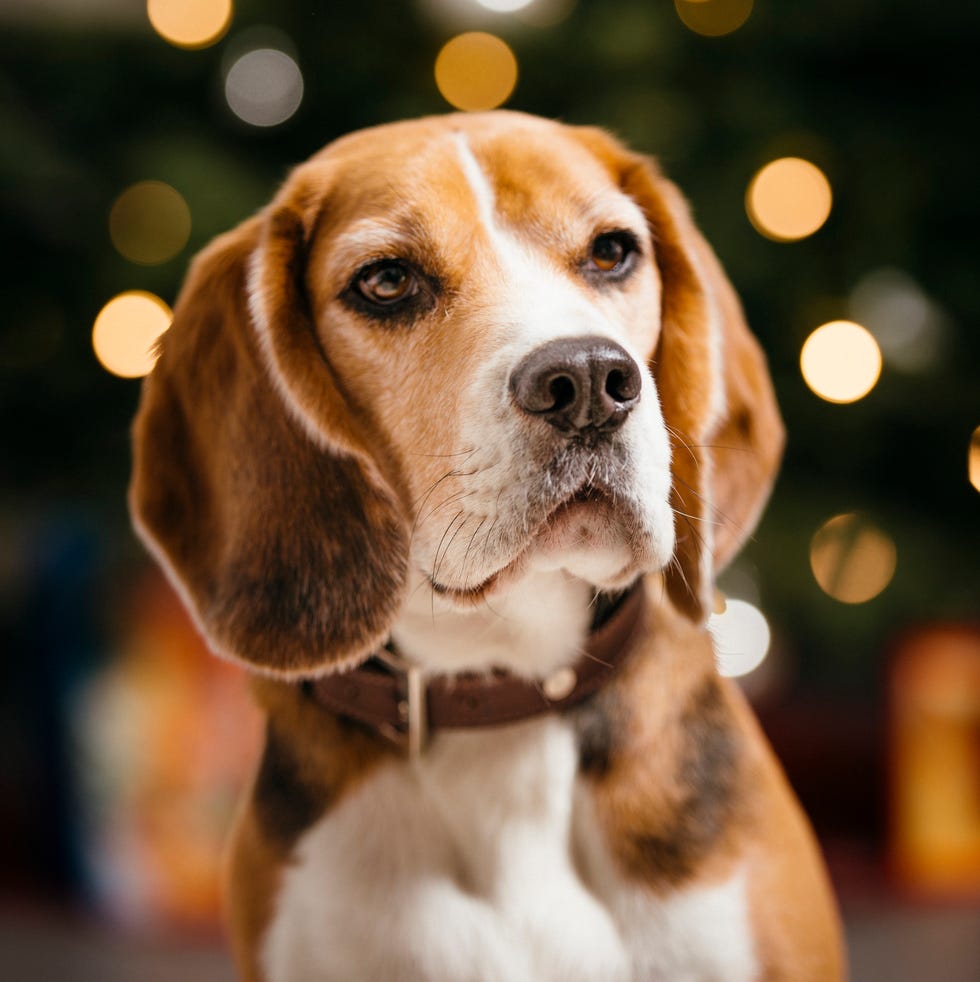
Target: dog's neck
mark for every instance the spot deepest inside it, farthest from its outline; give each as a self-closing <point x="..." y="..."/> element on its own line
<point x="537" y="625"/>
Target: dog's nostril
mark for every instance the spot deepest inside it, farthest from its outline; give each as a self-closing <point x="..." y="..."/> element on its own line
<point x="619" y="386"/>
<point x="622" y="384"/>
<point x="563" y="392"/>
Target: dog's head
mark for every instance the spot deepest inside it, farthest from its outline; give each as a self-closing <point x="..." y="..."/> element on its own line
<point x="449" y="352"/>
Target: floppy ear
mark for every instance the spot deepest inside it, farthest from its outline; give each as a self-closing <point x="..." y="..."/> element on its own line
<point x="252" y="482"/>
<point x="717" y="397"/>
<point x="718" y="401"/>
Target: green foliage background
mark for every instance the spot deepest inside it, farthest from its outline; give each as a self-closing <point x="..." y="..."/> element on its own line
<point x="880" y="93"/>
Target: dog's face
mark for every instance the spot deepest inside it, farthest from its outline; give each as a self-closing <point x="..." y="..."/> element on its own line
<point x="492" y="310"/>
<point x="473" y="346"/>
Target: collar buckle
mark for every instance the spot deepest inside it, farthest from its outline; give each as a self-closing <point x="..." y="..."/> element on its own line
<point x="413" y="732"/>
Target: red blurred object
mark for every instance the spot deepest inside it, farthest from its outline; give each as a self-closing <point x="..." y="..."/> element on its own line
<point x="934" y="743"/>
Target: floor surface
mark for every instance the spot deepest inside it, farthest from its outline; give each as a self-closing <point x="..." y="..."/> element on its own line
<point x="886" y="945"/>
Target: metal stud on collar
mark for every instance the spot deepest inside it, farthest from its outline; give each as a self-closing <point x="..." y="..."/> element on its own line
<point x="560" y="683"/>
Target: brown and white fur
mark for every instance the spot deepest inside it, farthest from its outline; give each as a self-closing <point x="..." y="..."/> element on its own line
<point x="322" y="470"/>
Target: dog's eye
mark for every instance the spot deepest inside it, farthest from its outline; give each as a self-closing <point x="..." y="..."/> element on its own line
<point x="612" y="251"/>
<point x="387" y="283"/>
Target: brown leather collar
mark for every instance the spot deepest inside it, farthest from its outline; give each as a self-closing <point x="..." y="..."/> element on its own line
<point x="390" y="695"/>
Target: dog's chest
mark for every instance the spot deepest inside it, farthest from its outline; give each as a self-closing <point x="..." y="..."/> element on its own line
<point x="483" y="862"/>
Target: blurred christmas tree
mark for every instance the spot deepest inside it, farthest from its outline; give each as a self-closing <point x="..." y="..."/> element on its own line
<point x="877" y="93"/>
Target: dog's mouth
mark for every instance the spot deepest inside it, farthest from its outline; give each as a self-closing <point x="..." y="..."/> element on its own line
<point x="590" y="505"/>
<point x="589" y="495"/>
<point x="583" y="519"/>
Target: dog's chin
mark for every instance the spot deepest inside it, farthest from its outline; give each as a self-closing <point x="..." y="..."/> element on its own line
<point x="589" y="538"/>
<point x="586" y="536"/>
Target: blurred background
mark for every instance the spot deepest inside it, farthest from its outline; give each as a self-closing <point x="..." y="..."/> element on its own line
<point x="828" y="152"/>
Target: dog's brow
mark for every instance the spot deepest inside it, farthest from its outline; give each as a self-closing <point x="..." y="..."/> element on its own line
<point x="372" y="235"/>
<point x="393" y="237"/>
<point x="608" y="209"/>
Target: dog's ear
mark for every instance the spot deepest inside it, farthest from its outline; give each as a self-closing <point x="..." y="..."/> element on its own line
<point x="717" y="396"/>
<point x="718" y="400"/>
<point x="252" y="481"/>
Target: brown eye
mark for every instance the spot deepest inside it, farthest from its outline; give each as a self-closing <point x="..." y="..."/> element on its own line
<point x="387" y="283"/>
<point x="611" y="251"/>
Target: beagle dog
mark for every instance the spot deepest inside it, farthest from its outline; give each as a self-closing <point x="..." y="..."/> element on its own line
<point x="446" y="446"/>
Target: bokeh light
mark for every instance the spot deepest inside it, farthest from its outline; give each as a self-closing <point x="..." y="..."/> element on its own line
<point x="909" y="326"/>
<point x="126" y="331"/>
<point x="545" y="13"/>
<point x="852" y="559"/>
<point x="742" y="637"/>
<point x="264" y="87"/>
<point x="841" y="361"/>
<point x="504" y="6"/>
<point x="149" y="222"/>
<point x="190" y="23"/>
<point x="713" y="18"/>
<point x="476" y="71"/>
<point x="788" y="199"/>
<point x="974" y="461"/>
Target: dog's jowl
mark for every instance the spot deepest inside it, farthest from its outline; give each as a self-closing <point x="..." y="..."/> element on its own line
<point x="446" y="446"/>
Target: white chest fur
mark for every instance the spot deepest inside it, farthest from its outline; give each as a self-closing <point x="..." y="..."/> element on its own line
<point x="482" y="862"/>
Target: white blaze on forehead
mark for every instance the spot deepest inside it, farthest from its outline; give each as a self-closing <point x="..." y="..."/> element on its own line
<point x="528" y="291"/>
<point x="477" y="180"/>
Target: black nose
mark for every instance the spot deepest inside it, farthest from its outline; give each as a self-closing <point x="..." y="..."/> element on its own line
<point x="577" y="384"/>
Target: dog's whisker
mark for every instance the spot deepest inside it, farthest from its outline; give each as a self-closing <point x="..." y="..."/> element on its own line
<point x="723" y="518"/>
<point x="449" y="544"/>
<point x="487" y="536"/>
<point x="451" y="499"/>
<point x="454" y="453"/>
<point x="695" y="533"/>
<point x="420" y="503"/>
<point x="698" y="518"/>
<point x="721" y="446"/>
<point x="677" y="566"/>
<point x="694" y="491"/>
<point x="469" y="546"/>
<point x="684" y="441"/>
<point x="437" y="561"/>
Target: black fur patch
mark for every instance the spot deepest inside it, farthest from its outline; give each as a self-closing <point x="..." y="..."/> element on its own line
<point x="708" y="774"/>
<point x="285" y="804"/>
<point x="597" y="732"/>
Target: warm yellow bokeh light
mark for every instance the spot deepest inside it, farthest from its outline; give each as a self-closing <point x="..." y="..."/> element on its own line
<point x="741" y="636"/>
<point x="149" y="222"/>
<point x="476" y="71"/>
<point x="713" y="18"/>
<point x="126" y="331"/>
<point x="841" y="361"/>
<point x="852" y="559"/>
<point x="190" y="23"/>
<point x="974" y="464"/>
<point x="788" y="199"/>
